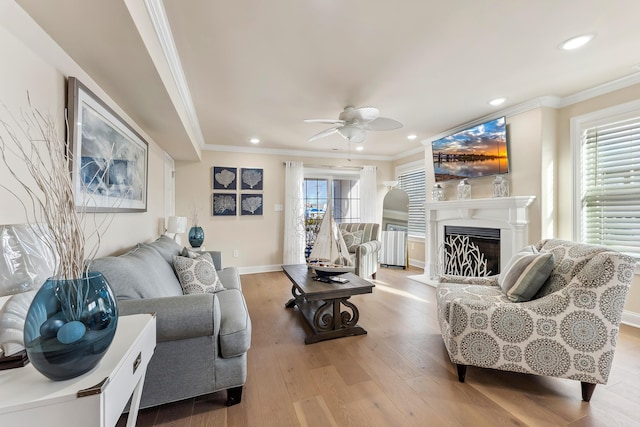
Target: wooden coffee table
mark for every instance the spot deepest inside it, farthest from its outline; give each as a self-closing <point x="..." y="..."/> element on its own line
<point x="319" y="303"/>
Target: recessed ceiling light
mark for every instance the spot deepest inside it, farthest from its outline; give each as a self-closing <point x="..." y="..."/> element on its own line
<point x="497" y="101"/>
<point x="576" y="42"/>
<point x="254" y="140"/>
<point x="412" y="136"/>
<point x="359" y="148"/>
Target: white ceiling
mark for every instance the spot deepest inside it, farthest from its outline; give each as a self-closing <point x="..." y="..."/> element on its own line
<point x="257" y="68"/>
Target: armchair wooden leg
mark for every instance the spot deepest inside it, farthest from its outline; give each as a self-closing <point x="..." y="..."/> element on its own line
<point x="234" y="396"/>
<point x="373" y="276"/>
<point x="462" y="372"/>
<point x="587" y="390"/>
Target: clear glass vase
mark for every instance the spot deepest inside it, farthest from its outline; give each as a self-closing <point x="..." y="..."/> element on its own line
<point x="70" y="325"/>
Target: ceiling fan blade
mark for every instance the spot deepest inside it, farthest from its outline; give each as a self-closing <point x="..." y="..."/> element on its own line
<point x="324" y="133"/>
<point x="383" y="123"/>
<point x="360" y="114"/>
<point x="325" y="121"/>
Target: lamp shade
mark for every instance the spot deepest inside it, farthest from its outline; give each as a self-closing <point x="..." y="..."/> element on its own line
<point x="177" y="224"/>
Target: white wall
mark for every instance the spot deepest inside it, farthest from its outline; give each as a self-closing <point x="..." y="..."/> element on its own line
<point x="32" y="63"/>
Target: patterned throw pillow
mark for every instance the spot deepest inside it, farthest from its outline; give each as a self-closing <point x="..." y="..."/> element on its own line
<point x="525" y="276"/>
<point x="352" y="239"/>
<point x="197" y="275"/>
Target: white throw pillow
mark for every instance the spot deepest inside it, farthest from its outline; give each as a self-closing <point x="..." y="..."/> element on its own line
<point x="197" y="275"/>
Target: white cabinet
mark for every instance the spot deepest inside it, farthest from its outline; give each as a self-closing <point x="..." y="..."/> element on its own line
<point x="96" y="398"/>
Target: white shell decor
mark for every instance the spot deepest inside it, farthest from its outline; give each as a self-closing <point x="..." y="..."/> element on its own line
<point x="225" y="177"/>
<point x="222" y="203"/>
<point x="251" y="204"/>
<point x="251" y="177"/>
<point x="12" y="315"/>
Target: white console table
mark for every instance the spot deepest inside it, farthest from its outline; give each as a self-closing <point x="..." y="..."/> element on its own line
<point x="97" y="398"/>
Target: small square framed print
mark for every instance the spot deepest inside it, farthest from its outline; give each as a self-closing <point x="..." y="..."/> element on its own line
<point x="251" y="179"/>
<point x="224" y="204"/>
<point x="251" y="204"/>
<point x="225" y="178"/>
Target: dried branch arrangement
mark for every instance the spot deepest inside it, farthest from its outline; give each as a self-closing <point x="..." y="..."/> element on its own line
<point x="39" y="161"/>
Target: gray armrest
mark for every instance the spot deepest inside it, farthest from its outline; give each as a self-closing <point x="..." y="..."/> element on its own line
<point x="216" y="256"/>
<point x="230" y="278"/>
<point x="181" y="317"/>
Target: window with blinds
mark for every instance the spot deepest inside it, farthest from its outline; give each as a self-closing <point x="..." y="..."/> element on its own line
<point x="413" y="183"/>
<point x="610" y="184"/>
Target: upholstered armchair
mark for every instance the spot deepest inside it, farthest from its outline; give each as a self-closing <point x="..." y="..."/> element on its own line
<point x="363" y="244"/>
<point x="568" y="329"/>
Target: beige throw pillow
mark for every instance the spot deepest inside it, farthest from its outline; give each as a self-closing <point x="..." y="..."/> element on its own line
<point x="197" y="275"/>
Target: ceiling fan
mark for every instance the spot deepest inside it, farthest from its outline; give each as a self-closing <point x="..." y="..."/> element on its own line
<point x="353" y="123"/>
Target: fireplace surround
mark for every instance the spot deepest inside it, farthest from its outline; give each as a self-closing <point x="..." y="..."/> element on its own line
<point x="508" y="214"/>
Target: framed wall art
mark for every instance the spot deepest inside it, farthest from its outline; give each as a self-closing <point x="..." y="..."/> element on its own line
<point x="251" y="204"/>
<point x="252" y="179"/>
<point x="225" y="178"/>
<point x="224" y="204"/>
<point x="110" y="159"/>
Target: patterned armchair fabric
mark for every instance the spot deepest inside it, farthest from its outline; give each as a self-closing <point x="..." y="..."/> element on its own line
<point x="362" y="240"/>
<point x="568" y="330"/>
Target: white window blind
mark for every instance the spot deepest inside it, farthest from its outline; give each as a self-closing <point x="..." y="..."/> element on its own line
<point x="413" y="183"/>
<point x="610" y="194"/>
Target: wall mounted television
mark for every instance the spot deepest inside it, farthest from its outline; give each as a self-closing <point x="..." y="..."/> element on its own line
<point x="480" y="150"/>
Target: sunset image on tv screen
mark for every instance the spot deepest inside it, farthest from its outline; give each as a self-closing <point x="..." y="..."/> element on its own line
<point x="478" y="151"/>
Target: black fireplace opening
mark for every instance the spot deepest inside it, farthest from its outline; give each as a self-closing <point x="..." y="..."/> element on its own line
<point x="471" y="251"/>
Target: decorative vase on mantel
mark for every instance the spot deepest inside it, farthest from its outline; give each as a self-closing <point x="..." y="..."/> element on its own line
<point x="196" y="236"/>
<point x="70" y="325"/>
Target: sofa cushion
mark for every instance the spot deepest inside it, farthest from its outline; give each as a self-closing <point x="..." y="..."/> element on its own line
<point x="197" y="275"/>
<point x="140" y="273"/>
<point x="528" y="274"/>
<point x="166" y="246"/>
<point x="235" y="325"/>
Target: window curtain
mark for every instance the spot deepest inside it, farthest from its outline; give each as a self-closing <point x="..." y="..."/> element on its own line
<point x="294" y="214"/>
<point x="368" y="194"/>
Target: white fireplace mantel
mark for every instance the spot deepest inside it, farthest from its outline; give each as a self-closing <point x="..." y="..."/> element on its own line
<point x="509" y="214"/>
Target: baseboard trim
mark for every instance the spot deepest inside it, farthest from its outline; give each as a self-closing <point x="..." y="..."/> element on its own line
<point x="260" y="269"/>
<point x="631" y="318"/>
<point x="416" y="263"/>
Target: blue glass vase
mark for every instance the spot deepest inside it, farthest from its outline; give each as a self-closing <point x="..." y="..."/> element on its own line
<point x="196" y="237"/>
<point x="70" y="325"/>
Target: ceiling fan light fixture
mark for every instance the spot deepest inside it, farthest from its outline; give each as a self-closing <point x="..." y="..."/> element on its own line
<point x="352" y="133"/>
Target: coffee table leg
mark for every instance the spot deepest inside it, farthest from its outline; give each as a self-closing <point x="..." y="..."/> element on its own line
<point x="330" y="322"/>
<point x="296" y="295"/>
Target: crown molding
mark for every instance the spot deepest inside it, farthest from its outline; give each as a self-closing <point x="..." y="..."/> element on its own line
<point x="602" y="89"/>
<point x="159" y="21"/>
<point x="294" y="153"/>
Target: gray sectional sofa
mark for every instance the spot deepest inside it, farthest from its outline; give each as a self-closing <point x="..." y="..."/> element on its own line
<point x="202" y="339"/>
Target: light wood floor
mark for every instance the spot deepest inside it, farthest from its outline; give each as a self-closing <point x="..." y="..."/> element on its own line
<point x="397" y="375"/>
